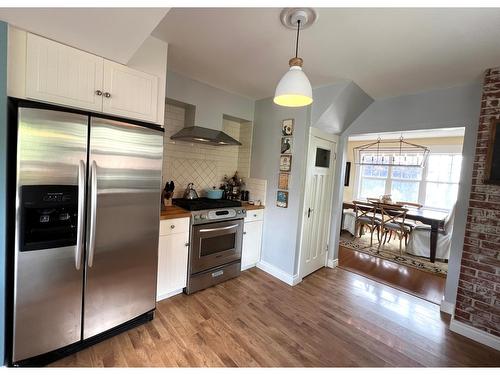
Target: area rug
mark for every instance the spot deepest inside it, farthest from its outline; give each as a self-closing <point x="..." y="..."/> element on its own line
<point x="390" y="252"/>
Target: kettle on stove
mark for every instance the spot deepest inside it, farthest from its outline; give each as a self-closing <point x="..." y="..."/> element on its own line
<point x="190" y="193"/>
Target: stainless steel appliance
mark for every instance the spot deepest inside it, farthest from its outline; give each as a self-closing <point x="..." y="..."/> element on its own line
<point x="215" y="241"/>
<point x="86" y="232"/>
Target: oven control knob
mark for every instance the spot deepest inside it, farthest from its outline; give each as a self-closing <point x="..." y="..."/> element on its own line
<point x="239" y="211"/>
<point x="243" y="211"/>
<point x="196" y="217"/>
<point x="203" y="216"/>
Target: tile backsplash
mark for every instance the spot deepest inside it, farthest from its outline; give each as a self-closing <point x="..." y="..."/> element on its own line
<point x="203" y="165"/>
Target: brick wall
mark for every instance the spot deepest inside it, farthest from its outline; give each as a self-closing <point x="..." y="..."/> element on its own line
<point x="478" y="297"/>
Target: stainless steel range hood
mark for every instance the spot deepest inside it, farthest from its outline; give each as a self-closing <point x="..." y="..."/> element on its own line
<point x="198" y="134"/>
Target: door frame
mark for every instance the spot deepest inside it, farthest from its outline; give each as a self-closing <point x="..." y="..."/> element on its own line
<point x="315" y="133"/>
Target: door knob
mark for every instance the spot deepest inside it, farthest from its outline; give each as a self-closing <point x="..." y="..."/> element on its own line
<point x="98" y="92"/>
<point x="107" y="95"/>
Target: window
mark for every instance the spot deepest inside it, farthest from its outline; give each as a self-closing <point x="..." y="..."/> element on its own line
<point x="434" y="186"/>
<point x="443" y="175"/>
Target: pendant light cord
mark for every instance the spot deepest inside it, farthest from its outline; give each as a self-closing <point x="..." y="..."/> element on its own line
<point x="297" y="43"/>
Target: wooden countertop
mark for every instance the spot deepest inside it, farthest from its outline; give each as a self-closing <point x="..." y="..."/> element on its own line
<point x="173" y="212"/>
<point x="249" y="207"/>
<point x="176" y="212"/>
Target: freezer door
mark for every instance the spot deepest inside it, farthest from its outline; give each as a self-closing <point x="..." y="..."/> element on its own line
<point x="123" y="221"/>
<point x="50" y="209"/>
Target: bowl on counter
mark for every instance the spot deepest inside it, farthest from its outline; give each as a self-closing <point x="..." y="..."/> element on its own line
<point x="214" y="193"/>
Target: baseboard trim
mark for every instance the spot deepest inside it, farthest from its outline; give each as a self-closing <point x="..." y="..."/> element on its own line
<point x="279" y="273"/>
<point x="168" y="295"/>
<point x="332" y="263"/>
<point x="475" y="334"/>
<point x="447" y="307"/>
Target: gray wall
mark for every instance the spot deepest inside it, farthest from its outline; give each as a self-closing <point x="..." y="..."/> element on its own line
<point x="211" y="103"/>
<point x="334" y="108"/>
<point x="281" y="225"/>
<point x="3" y="157"/>
<point x="452" y="107"/>
<point x="346" y="101"/>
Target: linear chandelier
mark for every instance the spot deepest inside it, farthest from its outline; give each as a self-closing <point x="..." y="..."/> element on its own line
<point x="391" y="153"/>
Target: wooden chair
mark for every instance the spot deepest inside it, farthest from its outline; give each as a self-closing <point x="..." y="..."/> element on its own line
<point x="410" y="204"/>
<point x="365" y="216"/>
<point x="393" y="221"/>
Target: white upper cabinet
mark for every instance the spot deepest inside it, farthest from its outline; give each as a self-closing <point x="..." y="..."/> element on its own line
<point x="129" y="93"/>
<point x="48" y="71"/>
<point x="64" y="75"/>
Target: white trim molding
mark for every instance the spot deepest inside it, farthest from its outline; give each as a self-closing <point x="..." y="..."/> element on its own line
<point x="168" y="295"/>
<point x="475" y="334"/>
<point x="332" y="263"/>
<point x="447" y="307"/>
<point x="279" y="273"/>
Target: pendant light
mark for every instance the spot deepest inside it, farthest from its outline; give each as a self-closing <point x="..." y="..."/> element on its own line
<point x="294" y="88"/>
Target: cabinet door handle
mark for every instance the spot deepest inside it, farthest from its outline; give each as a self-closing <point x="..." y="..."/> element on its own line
<point x="98" y="92"/>
<point x="172" y="226"/>
<point x="244" y="232"/>
<point x="187" y="244"/>
<point x="107" y="95"/>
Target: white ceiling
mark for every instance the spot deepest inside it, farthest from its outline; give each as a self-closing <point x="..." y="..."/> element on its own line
<point x="114" y="33"/>
<point x="411" y="134"/>
<point x="387" y="52"/>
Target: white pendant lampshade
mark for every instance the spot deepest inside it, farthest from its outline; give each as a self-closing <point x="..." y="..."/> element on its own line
<point x="294" y="89"/>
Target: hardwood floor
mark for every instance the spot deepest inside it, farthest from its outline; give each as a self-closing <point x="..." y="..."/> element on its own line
<point x="422" y="284"/>
<point x="333" y="318"/>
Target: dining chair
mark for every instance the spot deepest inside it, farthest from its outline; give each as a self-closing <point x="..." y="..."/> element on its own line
<point x="365" y="217"/>
<point x="410" y="204"/>
<point x="393" y="222"/>
<point x="419" y="241"/>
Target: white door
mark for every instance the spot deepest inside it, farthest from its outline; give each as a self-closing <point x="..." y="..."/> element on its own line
<point x="63" y="75"/>
<point x="129" y="93"/>
<point x="172" y="264"/>
<point x="252" y="238"/>
<point x="317" y="204"/>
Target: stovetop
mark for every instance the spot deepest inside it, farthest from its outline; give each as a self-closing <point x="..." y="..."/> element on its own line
<point x="204" y="203"/>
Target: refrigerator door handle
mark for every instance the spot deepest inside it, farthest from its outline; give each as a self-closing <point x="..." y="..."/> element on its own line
<point x="81" y="208"/>
<point x="93" y="212"/>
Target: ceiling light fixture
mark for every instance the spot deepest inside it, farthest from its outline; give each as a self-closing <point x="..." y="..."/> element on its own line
<point x="294" y="88"/>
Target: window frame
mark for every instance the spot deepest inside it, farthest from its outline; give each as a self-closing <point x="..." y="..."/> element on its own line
<point x="451" y="150"/>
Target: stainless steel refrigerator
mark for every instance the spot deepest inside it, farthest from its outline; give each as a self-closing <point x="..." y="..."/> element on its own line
<point x="86" y="226"/>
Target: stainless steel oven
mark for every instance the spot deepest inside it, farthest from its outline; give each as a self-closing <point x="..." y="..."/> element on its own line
<point x="216" y="244"/>
<point x="215" y="247"/>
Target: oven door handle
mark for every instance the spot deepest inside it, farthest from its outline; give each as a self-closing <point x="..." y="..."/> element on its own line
<point x="218" y="229"/>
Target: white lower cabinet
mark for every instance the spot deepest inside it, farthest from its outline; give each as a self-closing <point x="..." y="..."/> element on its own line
<point x="252" y="239"/>
<point x="172" y="258"/>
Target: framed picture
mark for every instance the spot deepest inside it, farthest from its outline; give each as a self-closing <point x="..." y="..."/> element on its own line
<point x="287" y="127"/>
<point x="282" y="199"/>
<point x="283" y="181"/>
<point x="286" y="145"/>
<point x="492" y="172"/>
<point x="347" y="173"/>
<point x="285" y="163"/>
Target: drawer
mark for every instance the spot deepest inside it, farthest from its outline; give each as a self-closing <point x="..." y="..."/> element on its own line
<point x="254" y="215"/>
<point x="172" y="226"/>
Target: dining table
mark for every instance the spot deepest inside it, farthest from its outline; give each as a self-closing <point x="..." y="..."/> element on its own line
<point x="434" y="218"/>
